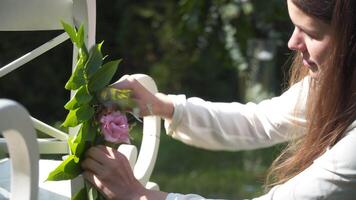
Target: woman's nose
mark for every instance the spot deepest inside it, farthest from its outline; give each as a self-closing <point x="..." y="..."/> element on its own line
<point x="296" y="41"/>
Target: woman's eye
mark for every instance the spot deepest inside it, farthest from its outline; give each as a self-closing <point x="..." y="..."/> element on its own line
<point x="315" y="36"/>
<point x="309" y="35"/>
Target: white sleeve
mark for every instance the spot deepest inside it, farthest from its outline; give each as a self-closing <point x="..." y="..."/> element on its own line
<point x="177" y="196"/>
<point x="235" y="126"/>
<point x="331" y="176"/>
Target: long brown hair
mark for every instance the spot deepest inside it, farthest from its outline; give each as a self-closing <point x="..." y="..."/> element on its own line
<point x="331" y="106"/>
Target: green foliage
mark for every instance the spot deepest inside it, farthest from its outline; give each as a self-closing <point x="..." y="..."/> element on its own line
<point x="68" y="169"/>
<point x="80" y="98"/>
<point x="72" y="33"/>
<point x="88" y="80"/>
<point x="78" y="116"/>
<point x="77" y="79"/>
<point x="122" y="98"/>
<point x="92" y="193"/>
<point x="83" y="140"/>
<point x="81" y="195"/>
<point x="80" y="37"/>
<point x="95" y="60"/>
<point x="77" y="37"/>
<point x="103" y="76"/>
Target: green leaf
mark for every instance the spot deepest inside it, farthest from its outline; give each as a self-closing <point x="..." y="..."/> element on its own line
<point x="80" y="36"/>
<point x="101" y="196"/>
<point x="81" y="195"/>
<point x="77" y="148"/>
<point x="79" y="115"/>
<point x="83" y="53"/>
<point x="71" y="32"/>
<point x="103" y="76"/>
<point x="83" y="140"/>
<point x="119" y="97"/>
<point x="68" y="169"/>
<point x="92" y="193"/>
<point x="95" y="60"/>
<point x="72" y="145"/>
<point x="81" y="97"/>
<point x="77" y="79"/>
<point x="89" y="132"/>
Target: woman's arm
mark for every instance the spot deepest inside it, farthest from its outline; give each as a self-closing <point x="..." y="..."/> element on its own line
<point x="236" y="126"/>
<point x="225" y="126"/>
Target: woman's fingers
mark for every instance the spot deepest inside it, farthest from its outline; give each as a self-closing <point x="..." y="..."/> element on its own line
<point x="105" y="156"/>
<point x="111" y="153"/>
<point x="91" y="177"/>
<point x="110" y="171"/>
<point x="148" y="103"/>
<point x="125" y="82"/>
<point x="96" y="182"/>
<point x="92" y="165"/>
<point x="104" y="162"/>
<point x="129" y="82"/>
<point x="124" y="77"/>
<point x="98" y="155"/>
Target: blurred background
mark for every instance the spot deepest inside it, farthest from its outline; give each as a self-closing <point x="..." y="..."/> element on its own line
<point x="220" y="50"/>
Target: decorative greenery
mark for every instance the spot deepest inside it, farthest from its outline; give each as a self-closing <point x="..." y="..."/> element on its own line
<point x="89" y="81"/>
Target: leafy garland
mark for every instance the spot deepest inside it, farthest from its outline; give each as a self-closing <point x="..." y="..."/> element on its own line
<point x="92" y="96"/>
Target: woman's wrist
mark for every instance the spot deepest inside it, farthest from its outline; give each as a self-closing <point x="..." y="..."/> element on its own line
<point x="155" y="195"/>
<point x="146" y="194"/>
<point x="164" y="106"/>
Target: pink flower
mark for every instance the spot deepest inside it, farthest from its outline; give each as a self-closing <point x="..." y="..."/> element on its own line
<point x="114" y="127"/>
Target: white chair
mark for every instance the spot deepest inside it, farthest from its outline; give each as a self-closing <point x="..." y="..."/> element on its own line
<point x="17" y="129"/>
<point x="33" y="15"/>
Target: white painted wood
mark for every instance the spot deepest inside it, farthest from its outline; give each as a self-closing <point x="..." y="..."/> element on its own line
<point x="150" y="139"/>
<point x="130" y="152"/>
<point x="32" y="54"/>
<point x="47" y="190"/>
<point x="20" y="15"/>
<point x="49" y="130"/>
<point x="20" y="136"/>
<point x="45" y="146"/>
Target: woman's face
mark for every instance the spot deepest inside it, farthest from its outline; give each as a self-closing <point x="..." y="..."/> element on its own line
<point x="311" y="37"/>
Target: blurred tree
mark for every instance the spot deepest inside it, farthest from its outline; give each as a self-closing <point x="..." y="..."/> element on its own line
<point x="189" y="46"/>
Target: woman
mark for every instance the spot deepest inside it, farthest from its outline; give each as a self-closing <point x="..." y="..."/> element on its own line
<point x="317" y="114"/>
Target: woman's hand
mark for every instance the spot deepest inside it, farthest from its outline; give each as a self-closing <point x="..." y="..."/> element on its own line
<point x="110" y="172"/>
<point x="150" y="104"/>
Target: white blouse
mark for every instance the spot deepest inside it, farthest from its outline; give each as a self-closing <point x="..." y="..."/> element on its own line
<point x="235" y="126"/>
